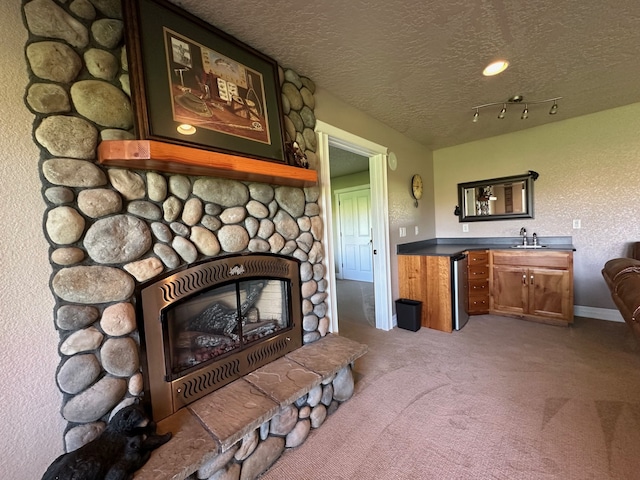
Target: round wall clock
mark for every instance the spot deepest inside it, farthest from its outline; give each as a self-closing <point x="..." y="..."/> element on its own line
<point x="416" y="187"/>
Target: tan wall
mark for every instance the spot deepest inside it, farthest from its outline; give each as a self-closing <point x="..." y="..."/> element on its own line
<point x="589" y="170"/>
<point x="412" y="158"/>
<point x="30" y="414"/>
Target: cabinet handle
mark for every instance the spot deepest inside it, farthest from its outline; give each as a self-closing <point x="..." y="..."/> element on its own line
<point x="531" y="279"/>
<point x="524" y="279"/>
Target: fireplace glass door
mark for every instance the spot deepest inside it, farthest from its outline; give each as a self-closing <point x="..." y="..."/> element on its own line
<point x="225" y="319"/>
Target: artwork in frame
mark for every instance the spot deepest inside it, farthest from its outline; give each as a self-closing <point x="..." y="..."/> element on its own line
<point x="194" y="85"/>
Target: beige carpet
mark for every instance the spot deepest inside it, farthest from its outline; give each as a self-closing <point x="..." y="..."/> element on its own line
<point x="500" y="399"/>
<point x="356" y="302"/>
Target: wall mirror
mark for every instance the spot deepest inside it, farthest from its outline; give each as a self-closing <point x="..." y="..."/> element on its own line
<point x="496" y="198"/>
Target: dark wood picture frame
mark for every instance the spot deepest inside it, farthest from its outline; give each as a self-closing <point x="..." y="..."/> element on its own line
<point x="194" y="85"/>
<point x="466" y="211"/>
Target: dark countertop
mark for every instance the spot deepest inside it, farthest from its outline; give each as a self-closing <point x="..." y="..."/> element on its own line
<point x="452" y="246"/>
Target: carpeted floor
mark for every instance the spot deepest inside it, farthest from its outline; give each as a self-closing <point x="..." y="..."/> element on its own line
<point x="356" y="302"/>
<point x="500" y="399"/>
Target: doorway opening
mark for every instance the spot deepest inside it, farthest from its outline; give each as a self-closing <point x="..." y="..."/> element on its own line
<point x="332" y="140"/>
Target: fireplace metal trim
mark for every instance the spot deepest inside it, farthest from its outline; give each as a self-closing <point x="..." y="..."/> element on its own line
<point x="168" y="396"/>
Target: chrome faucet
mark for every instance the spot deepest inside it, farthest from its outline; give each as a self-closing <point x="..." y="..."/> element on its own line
<point x="523" y="234"/>
<point x="535" y="238"/>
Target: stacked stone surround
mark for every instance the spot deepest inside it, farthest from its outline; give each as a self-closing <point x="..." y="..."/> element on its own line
<point x="111" y="229"/>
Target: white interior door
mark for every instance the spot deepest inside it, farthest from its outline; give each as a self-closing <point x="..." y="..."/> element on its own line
<point x="355" y="235"/>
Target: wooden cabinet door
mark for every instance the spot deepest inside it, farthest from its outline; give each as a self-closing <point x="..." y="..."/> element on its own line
<point x="550" y="293"/>
<point x="533" y="285"/>
<point x="509" y="292"/>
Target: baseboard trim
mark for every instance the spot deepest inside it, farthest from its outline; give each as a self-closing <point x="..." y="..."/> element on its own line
<point x="609" y="314"/>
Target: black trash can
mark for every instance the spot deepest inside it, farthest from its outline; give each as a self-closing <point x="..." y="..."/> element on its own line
<point x="408" y="313"/>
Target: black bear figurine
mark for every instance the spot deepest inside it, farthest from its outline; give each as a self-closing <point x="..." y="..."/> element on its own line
<point x="123" y="447"/>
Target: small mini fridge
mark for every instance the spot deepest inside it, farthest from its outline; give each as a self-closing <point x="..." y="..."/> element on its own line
<point x="459" y="296"/>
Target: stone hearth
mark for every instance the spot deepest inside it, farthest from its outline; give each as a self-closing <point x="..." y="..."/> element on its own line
<point x="241" y="429"/>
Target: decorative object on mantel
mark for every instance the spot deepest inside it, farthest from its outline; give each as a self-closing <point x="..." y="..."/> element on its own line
<point x="295" y="155"/>
<point x="195" y="85"/>
<point x="517" y="100"/>
<point x="122" y="448"/>
<point x="167" y="157"/>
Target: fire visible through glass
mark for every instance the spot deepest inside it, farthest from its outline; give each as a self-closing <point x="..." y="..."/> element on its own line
<point x="214" y="323"/>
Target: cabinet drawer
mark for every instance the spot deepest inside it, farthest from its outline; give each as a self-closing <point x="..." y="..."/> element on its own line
<point x="548" y="259"/>
<point x="478" y="304"/>
<point x="478" y="271"/>
<point x="480" y="257"/>
<point x="478" y="286"/>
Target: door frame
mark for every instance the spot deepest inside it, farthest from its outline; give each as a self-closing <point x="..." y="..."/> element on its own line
<point x="377" y="154"/>
<point x="337" y="213"/>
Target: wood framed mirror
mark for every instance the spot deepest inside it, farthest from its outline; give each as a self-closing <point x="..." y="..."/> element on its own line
<point x="501" y="198"/>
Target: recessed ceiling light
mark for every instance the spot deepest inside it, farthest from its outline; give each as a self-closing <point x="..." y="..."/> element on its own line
<point x="495" y="68"/>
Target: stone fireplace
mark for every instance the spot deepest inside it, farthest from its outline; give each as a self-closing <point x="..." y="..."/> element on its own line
<point x="115" y="231"/>
<point x="215" y="322"/>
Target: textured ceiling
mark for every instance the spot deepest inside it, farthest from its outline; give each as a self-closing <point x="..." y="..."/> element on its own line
<point x="416" y="65"/>
<point x="346" y="163"/>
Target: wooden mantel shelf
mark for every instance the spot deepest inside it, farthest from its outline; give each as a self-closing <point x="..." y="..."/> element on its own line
<point x="166" y="157"/>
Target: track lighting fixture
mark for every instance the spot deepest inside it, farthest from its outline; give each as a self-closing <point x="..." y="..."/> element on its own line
<point x="517" y="100"/>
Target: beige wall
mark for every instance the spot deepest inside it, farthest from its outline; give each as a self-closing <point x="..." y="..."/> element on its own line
<point x="30" y="415"/>
<point x="412" y="158"/>
<point x="589" y="170"/>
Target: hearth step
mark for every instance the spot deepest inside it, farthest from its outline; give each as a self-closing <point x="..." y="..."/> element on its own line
<point x="212" y="425"/>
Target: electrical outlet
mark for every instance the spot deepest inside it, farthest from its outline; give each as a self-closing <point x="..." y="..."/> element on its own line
<point x="403" y="232"/>
<point x="417" y="230"/>
<point x="465" y="227"/>
<point x="577" y="224"/>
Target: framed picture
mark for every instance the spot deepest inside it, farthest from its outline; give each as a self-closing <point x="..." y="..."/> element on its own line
<point x="195" y="85"/>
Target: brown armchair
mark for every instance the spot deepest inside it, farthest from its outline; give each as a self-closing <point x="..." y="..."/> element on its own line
<point x="622" y="276"/>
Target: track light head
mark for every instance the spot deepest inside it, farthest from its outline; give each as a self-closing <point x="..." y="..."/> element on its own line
<point x="525" y="112"/>
<point x="476" y="115"/>
<point x="554" y="108"/>
<point x="503" y="111"/>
